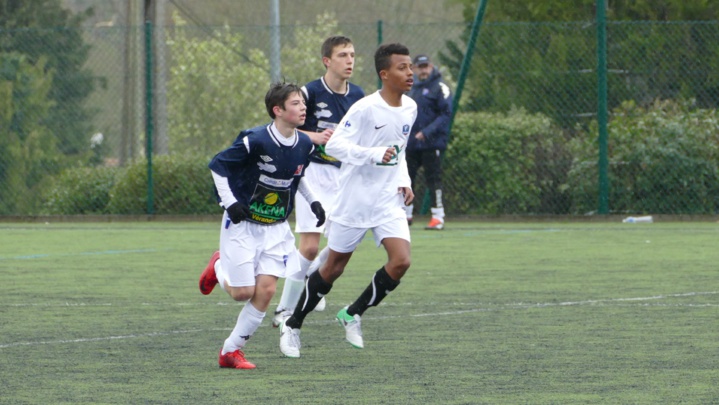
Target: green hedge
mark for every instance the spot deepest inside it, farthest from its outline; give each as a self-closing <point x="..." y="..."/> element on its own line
<point x="81" y="190"/>
<point x="664" y="159"/>
<point x="181" y="185"/>
<point x="510" y="163"/>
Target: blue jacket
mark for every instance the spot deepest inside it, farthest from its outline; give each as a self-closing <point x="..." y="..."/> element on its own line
<point x="434" y="112"/>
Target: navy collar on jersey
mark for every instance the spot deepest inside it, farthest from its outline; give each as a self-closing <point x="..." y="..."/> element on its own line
<point x="280" y="140"/>
<point x="322" y="79"/>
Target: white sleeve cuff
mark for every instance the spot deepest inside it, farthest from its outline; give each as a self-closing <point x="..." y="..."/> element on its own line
<point x="306" y="191"/>
<point x="223" y="190"/>
<point x="378" y="154"/>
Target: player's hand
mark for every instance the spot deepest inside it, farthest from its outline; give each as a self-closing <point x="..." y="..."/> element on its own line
<point x="321" y="138"/>
<point x="420" y="136"/>
<point x="408" y="195"/>
<point x="389" y="154"/>
<point x="237" y="212"/>
<point x="319" y="212"/>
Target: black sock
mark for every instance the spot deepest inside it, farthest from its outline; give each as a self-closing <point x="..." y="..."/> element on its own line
<point x="375" y="292"/>
<point x="315" y="289"/>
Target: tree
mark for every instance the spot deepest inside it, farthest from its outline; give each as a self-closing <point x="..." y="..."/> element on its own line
<point x="583" y="10"/>
<point x="28" y="150"/>
<point x="302" y="59"/>
<point x="42" y="29"/>
<point x="217" y="83"/>
<point x="545" y="60"/>
<point x="216" y="89"/>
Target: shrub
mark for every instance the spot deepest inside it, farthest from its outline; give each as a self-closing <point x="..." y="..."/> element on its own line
<point x="181" y="185"/>
<point x="504" y="164"/>
<point x="80" y="191"/>
<point x="663" y="159"/>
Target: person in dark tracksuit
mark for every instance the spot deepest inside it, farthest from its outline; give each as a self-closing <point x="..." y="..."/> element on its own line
<point x="429" y="135"/>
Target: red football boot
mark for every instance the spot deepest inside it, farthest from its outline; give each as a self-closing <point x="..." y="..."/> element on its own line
<point x="208" y="279"/>
<point x="235" y="359"/>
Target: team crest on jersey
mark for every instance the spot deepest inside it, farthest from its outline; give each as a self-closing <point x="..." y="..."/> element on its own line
<point x="299" y="170"/>
<point x="405" y="129"/>
<point x="347" y="124"/>
<point x="266" y="158"/>
<point x="267" y="167"/>
<point x="322" y="105"/>
<point x="323" y="114"/>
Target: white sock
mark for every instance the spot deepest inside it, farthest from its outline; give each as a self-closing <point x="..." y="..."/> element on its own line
<point x="220" y="274"/>
<point x="294" y="285"/>
<point x="438" y="198"/>
<point x="304" y="265"/>
<point x="438" y="213"/>
<point x="290" y="294"/>
<point x="319" y="261"/>
<point x="247" y="323"/>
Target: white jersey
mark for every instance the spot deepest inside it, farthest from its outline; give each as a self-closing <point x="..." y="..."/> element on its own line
<point x="368" y="189"/>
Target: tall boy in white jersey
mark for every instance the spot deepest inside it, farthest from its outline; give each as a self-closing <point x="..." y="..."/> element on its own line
<point x="328" y="100"/>
<point x="374" y="187"/>
<point x="256" y="180"/>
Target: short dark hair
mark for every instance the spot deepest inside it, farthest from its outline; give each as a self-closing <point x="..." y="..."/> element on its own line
<point x="333" y="41"/>
<point x="383" y="55"/>
<point x="279" y="93"/>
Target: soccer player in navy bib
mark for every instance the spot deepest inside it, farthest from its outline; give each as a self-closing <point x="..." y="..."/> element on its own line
<point x="374" y="188"/>
<point x="256" y="180"/>
<point x="328" y="100"/>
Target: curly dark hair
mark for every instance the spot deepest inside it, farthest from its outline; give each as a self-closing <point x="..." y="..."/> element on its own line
<point x="383" y="55"/>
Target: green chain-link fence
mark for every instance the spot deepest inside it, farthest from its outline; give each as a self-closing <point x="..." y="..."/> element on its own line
<point x="533" y="138"/>
<point x="524" y="140"/>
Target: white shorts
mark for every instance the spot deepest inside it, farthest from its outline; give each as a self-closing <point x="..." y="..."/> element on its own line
<point x="248" y="249"/>
<point x="345" y="239"/>
<point x="322" y="179"/>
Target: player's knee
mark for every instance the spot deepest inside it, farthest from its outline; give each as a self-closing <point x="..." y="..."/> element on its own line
<point x="331" y="273"/>
<point x="398" y="265"/>
<point x="241" y="293"/>
<point x="309" y="252"/>
<point x="268" y="291"/>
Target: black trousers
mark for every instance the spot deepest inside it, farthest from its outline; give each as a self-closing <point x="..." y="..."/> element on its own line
<point x="430" y="160"/>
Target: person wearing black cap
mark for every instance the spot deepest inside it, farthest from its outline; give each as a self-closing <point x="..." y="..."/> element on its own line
<point x="429" y="135"/>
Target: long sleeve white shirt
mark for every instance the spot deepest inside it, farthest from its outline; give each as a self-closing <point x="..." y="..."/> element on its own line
<point x="368" y="193"/>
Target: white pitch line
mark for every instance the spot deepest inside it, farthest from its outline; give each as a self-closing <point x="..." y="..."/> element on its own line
<point x="100" y="339"/>
<point x="519" y="305"/>
<point x="655" y="297"/>
<point x="445" y="313"/>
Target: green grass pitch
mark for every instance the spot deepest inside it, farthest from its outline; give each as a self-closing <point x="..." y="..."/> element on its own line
<point x="489" y="313"/>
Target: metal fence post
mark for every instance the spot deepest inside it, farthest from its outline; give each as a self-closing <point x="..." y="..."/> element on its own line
<point x="602" y="107"/>
<point x="464" y="69"/>
<point x="467" y="60"/>
<point x="379" y="42"/>
<point x="148" y="117"/>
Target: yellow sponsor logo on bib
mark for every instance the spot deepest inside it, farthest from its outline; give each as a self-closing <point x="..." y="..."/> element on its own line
<point x="271" y="198"/>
